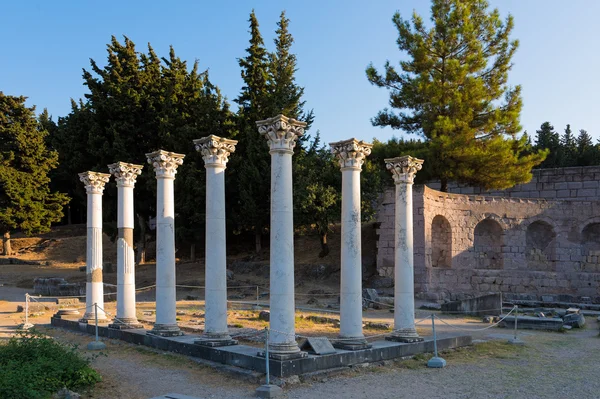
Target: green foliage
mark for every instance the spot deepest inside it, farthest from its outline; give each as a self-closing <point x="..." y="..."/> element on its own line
<point x="269" y="89"/>
<point x="139" y="103"/>
<point x="26" y="201"/>
<point x="395" y="147"/>
<point x="33" y="366"/>
<point x="453" y="91"/>
<point x="566" y="150"/>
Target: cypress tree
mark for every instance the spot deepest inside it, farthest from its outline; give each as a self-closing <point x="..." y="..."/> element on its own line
<point x="453" y="91"/>
<point x="26" y="201"/>
<point x="548" y="139"/>
<point x="569" y="147"/>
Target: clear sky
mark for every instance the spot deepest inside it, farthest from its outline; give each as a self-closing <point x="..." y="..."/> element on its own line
<point x="45" y="45"/>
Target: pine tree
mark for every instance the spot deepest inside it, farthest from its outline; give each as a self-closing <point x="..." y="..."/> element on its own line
<point x="569" y="147"/>
<point x="548" y="139"/>
<point x="453" y="91"/>
<point x="586" y="152"/>
<point x="26" y="202"/>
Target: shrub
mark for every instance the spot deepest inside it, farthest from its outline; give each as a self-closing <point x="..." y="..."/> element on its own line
<point x="33" y="366"/>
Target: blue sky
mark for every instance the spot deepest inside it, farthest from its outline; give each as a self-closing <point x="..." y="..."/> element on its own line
<point x="47" y="43"/>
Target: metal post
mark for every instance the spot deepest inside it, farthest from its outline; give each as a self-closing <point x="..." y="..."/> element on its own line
<point x="515" y="340"/>
<point x="267" y="355"/>
<point x="435" y="361"/>
<point x="268" y="390"/>
<point x="27" y="325"/>
<point x="516" y="318"/>
<point x="97" y="344"/>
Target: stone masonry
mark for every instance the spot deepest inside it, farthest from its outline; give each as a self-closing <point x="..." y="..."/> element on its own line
<point x="538" y="244"/>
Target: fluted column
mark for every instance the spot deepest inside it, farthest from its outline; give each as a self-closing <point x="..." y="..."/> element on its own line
<point x="165" y="165"/>
<point x="215" y="152"/>
<point x="94" y="289"/>
<point x="281" y="134"/>
<point x="403" y="171"/>
<point x="125" y="175"/>
<point x="351" y="155"/>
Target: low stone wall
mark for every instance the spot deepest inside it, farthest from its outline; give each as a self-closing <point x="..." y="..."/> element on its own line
<point x="57" y="287"/>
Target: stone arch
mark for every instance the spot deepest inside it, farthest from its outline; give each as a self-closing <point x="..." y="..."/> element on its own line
<point x="441" y="242"/>
<point x="540" y="246"/>
<point x="590" y="247"/>
<point x="487" y="244"/>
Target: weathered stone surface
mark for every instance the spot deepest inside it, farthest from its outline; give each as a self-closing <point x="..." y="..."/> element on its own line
<point x="264" y="315"/>
<point x="519" y="241"/>
<point x="574" y="320"/>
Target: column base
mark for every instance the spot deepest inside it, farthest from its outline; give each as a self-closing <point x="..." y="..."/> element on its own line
<point x="65" y="312"/>
<point x="284" y="351"/>
<point x="126" y="324"/>
<point x="406" y="335"/>
<point x="165" y="330"/>
<point x="215" y="342"/>
<point x="351" y="344"/>
<point x="91" y="319"/>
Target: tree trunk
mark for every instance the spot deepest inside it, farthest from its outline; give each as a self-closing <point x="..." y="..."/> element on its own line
<point x="444" y="185"/>
<point x="6" y="244"/>
<point x="257" y="241"/>
<point x="69" y="220"/>
<point x="141" y="247"/>
<point x="324" y="246"/>
<point x="193" y="252"/>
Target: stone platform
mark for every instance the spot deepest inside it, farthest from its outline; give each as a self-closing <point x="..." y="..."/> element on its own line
<point x="247" y="356"/>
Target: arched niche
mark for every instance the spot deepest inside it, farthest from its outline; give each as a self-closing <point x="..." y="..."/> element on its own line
<point x="487" y="245"/>
<point x="540" y="242"/>
<point x="441" y="242"/>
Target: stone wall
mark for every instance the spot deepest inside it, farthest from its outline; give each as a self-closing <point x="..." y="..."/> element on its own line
<point x="475" y="244"/>
<point x="577" y="183"/>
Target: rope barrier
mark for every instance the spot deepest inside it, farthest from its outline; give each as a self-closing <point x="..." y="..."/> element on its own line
<point x="480" y="329"/>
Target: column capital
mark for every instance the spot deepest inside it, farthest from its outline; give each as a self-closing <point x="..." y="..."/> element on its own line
<point x="215" y="150"/>
<point x="125" y="173"/>
<point x="403" y="168"/>
<point x="351" y="153"/>
<point x="165" y="163"/>
<point x="94" y="181"/>
<point x="281" y="132"/>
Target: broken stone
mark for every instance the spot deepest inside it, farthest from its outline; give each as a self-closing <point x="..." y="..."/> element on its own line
<point x="264" y="315"/>
<point x="572" y="311"/>
<point x="180" y="313"/>
<point x="548" y="298"/>
<point x="370" y="294"/>
<point x="64" y="393"/>
<point x="230" y="274"/>
<point x="574" y="320"/>
<point x="313" y="301"/>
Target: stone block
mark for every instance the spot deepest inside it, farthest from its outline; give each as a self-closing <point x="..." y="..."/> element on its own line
<point x="586" y="192"/>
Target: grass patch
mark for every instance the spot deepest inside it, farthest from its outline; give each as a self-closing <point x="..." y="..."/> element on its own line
<point x="33" y="366"/>
<point x="486" y="350"/>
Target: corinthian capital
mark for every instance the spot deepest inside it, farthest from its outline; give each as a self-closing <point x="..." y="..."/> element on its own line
<point x="125" y="173"/>
<point x="94" y="181"/>
<point x="281" y="132"/>
<point x="351" y="153"/>
<point x="165" y="163"/>
<point x="215" y="150"/>
<point x="403" y="168"/>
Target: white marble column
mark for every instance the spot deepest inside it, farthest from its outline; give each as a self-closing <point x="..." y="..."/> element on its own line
<point x="165" y="165"/>
<point x="281" y="134"/>
<point x="351" y="155"/>
<point x="94" y="289"/>
<point x="403" y="171"/>
<point x="215" y="152"/>
<point x="125" y="175"/>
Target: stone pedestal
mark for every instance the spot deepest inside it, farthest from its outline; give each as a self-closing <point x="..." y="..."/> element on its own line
<point x="215" y="152"/>
<point x="125" y="175"/>
<point x="403" y="171"/>
<point x="351" y="155"/>
<point x="94" y="289"/>
<point x="281" y="134"/>
<point x="165" y="165"/>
